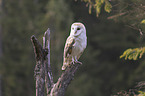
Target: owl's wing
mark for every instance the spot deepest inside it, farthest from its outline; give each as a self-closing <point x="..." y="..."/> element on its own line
<point x="68" y="46"/>
<point x="67" y="52"/>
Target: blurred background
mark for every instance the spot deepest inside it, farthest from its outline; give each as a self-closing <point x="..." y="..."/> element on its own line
<point x="103" y="73"/>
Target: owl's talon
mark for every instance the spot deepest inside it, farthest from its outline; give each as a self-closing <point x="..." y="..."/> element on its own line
<point x="73" y="62"/>
<point x="78" y="62"/>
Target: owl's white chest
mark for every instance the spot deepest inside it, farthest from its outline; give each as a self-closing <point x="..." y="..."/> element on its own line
<point x="79" y="45"/>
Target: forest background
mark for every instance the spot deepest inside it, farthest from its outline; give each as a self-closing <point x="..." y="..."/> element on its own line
<point x="103" y="73"/>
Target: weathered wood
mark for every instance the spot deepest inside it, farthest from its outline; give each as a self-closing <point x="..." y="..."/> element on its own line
<point x="48" y="73"/>
<point x="38" y="50"/>
<point x="39" y="71"/>
<point x="66" y="77"/>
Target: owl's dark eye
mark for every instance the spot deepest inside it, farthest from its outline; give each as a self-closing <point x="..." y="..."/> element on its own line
<point x="78" y="28"/>
<point x="72" y="28"/>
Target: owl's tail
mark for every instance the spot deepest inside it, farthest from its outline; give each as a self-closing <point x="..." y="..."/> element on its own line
<point x="66" y="62"/>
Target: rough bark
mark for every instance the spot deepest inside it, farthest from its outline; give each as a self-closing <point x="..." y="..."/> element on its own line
<point x="48" y="73"/>
<point x="43" y="73"/>
<point x="64" y="80"/>
<point x="39" y="71"/>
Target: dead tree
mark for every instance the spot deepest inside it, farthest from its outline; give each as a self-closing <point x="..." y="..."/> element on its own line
<point x="43" y="73"/>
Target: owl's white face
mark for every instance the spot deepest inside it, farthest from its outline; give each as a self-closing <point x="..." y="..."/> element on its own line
<point x="77" y="29"/>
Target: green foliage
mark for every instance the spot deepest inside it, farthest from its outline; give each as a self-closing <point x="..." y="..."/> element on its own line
<point x="133" y="54"/>
<point x="130" y="12"/>
<point x="141" y="93"/>
<point x="97" y="5"/>
<point x="107" y="7"/>
<point x="143" y="21"/>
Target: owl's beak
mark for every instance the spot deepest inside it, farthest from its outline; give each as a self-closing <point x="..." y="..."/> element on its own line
<point x="75" y="32"/>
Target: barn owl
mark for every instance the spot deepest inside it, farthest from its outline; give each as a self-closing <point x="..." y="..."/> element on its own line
<point x="75" y="44"/>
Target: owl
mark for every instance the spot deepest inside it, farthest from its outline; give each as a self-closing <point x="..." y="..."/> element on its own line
<point x="75" y="44"/>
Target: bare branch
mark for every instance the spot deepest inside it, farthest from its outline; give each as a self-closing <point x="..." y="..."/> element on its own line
<point x="65" y="79"/>
<point x="37" y="48"/>
<point x="39" y="68"/>
<point x="47" y="33"/>
<point x="117" y="15"/>
<point x="48" y="73"/>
